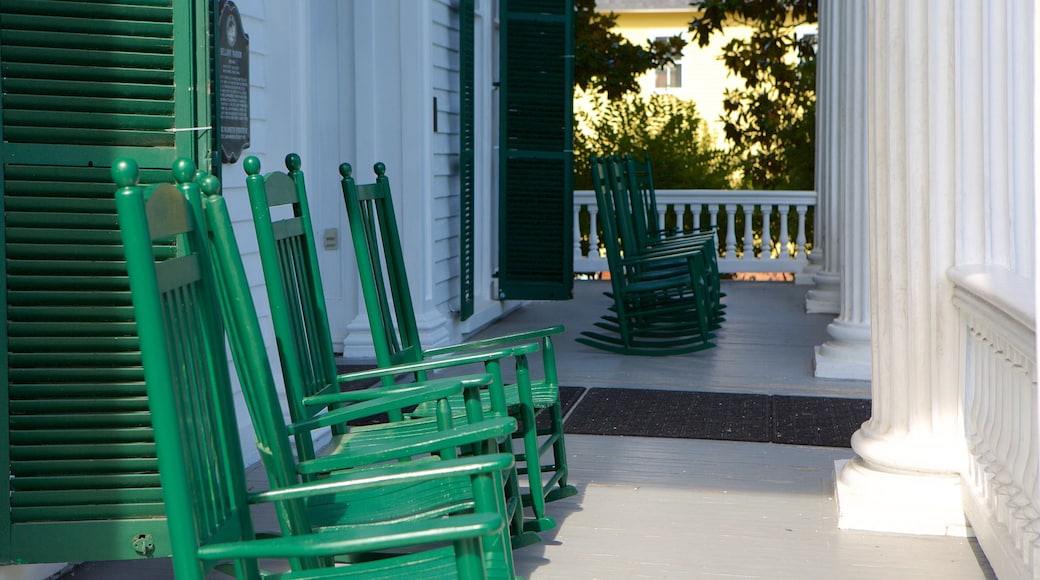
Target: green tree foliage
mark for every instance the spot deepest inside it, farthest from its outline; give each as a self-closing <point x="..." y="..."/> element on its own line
<point x="665" y="127"/>
<point x="607" y="62"/>
<point x="771" y="123"/>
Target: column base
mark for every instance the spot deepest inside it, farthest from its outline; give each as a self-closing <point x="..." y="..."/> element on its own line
<point x="825" y="298"/>
<point x="358" y="347"/>
<point x="846" y="355"/>
<point x="814" y="264"/>
<point x="434" y="329"/>
<point x="901" y="503"/>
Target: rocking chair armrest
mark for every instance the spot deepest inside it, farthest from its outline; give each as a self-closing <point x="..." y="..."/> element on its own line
<point x="677" y="244"/>
<point x="651" y="258"/>
<point x="677" y="234"/>
<point x="370" y="538"/>
<point x="375" y="392"/>
<point x="429" y="365"/>
<point x="393" y="473"/>
<point x="397" y="448"/>
<point x="525" y="336"/>
<point x="430" y="391"/>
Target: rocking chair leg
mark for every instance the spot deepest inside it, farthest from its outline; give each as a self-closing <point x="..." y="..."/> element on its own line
<point x="559" y="457"/>
<point x="541" y="521"/>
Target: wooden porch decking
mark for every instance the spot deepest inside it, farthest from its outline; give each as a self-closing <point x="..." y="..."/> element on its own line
<point x="683" y="508"/>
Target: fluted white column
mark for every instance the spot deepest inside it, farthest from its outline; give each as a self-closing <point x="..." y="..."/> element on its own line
<point x="825" y="297"/>
<point x="904" y="477"/>
<point x="846" y="355"/>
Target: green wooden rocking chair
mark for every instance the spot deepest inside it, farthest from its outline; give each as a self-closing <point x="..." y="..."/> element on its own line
<point x="395" y="335"/>
<point x="634" y="181"/>
<point x="289" y="260"/>
<point x="660" y="299"/>
<point x="176" y="305"/>
<point x="354" y="447"/>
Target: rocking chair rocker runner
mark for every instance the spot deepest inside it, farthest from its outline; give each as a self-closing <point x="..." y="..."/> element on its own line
<point x="177" y="301"/>
<point x="395" y="334"/>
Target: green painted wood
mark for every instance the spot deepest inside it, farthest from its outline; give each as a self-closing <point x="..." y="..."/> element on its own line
<point x="661" y="299"/>
<point x="647" y="235"/>
<point x="183" y="354"/>
<point x="467" y="162"/>
<point x="380" y="259"/>
<point x="289" y="261"/>
<point x="183" y="304"/>
<point x="82" y="84"/>
<point x="536" y="186"/>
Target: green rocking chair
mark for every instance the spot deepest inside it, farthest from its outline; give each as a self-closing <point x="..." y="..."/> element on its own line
<point x="177" y="306"/>
<point x="289" y="260"/>
<point x="661" y="300"/>
<point x="634" y="181"/>
<point x="395" y="335"/>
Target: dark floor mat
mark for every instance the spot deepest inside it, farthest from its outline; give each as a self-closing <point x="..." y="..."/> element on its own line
<point x="821" y="421"/>
<point x="682" y="414"/>
<point x="568" y="397"/>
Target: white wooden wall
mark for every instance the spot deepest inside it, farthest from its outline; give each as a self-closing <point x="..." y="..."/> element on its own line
<point x="302" y="100"/>
<point x="355" y="81"/>
<point x="412" y="49"/>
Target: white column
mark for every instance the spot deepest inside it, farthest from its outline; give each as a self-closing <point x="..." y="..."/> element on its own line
<point x="823" y="261"/>
<point x="846" y="355"/>
<point x="395" y="82"/>
<point x="905" y="475"/>
<point x="357" y="345"/>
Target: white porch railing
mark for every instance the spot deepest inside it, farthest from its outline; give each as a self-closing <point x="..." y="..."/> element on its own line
<point x="741" y="251"/>
<point x="1001" y="416"/>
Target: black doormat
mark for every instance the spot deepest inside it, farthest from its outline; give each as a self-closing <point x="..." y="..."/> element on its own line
<point x="569" y="396"/>
<point x="821" y="421"/>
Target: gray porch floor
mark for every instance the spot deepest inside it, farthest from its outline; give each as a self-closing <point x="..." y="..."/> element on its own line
<point x="682" y="508"/>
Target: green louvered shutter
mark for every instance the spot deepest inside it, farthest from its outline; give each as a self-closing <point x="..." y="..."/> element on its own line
<point x="84" y="83"/>
<point x="536" y="259"/>
<point x="467" y="163"/>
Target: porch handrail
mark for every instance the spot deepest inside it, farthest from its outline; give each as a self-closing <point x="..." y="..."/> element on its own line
<point x="737" y="250"/>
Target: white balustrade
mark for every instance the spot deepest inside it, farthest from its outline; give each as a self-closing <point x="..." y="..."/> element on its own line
<point x="1001" y="415"/>
<point x="790" y="254"/>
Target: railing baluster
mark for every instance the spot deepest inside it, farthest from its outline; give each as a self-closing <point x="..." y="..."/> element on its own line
<point x="749" y="242"/>
<point x="731" y="231"/>
<point x="594" y="233"/>
<point x="713" y="222"/>
<point x="800" y="239"/>
<point x="785" y="237"/>
<point x="577" y="231"/>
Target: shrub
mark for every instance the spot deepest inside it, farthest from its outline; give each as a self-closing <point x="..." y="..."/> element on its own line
<point x="665" y="127"/>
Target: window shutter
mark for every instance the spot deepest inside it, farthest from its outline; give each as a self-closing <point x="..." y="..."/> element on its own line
<point x="466" y="157"/>
<point x="536" y="259"/>
<point x="84" y="83"/>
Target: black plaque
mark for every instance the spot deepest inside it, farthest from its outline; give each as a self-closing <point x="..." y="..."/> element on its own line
<point x="234" y="82"/>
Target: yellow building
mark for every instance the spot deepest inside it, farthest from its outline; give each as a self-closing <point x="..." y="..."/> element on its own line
<point x="700" y="75"/>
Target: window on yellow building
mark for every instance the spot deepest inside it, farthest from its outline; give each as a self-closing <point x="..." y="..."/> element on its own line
<point x="670" y="75"/>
